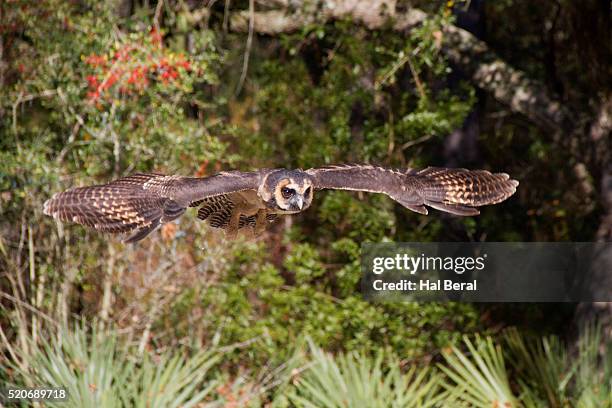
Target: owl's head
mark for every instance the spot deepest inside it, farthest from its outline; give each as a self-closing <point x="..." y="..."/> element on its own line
<point x="288" y="191"/>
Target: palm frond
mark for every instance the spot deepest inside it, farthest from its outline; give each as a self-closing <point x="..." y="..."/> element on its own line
<point x="542" y="366"/>
<point x="355" y="380"/>
<point x="99" y="371"/>
<point x="478" y="377"/>
<point x="593" y="369"/>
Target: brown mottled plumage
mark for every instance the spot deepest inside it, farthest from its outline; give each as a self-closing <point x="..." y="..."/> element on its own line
<point x="236" y="200"/>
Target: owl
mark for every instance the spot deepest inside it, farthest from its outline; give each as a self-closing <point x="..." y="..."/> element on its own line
<point x="236" y="200"/>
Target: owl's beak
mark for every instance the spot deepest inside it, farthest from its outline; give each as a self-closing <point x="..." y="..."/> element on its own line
<point x="298" y="201"/>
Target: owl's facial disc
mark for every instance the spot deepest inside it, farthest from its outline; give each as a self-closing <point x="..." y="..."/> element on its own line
<point x="293" y="195"/>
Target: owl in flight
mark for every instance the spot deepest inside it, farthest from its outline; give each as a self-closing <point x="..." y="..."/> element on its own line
<point x="237" y="200"/>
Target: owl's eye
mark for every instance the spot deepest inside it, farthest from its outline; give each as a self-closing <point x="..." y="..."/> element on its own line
<point x="287" y="192"/>
<point x="307" y="192"/>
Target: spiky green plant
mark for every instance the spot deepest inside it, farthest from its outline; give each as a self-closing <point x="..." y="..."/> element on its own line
<point x="542" y="368"/>
<point x="593" y="370"/>
<point x="478" y="377"/>
<point x="356" y="380"/>
<point x="547" y="375"/>
<point x="100" y="371"/>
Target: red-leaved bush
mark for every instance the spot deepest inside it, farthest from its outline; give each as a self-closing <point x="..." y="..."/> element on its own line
<point x="133" y="67"/>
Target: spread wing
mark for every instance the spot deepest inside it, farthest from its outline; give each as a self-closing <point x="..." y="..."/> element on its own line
<point x="456" y="191"/>
<point x="141" y="202"/>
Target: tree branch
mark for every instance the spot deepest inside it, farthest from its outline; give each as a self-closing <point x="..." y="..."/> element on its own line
<point x="508" y="85"/>
<point x="601" y="142"/>
<point x="487" y="71"/>
<point x="374" y="15"/>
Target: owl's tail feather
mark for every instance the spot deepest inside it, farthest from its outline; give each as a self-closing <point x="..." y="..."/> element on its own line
<point x="124" y="205"/>
<point x="458" y="191"/>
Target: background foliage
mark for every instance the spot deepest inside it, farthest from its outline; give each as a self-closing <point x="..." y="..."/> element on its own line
<point x="90" y="93"/>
